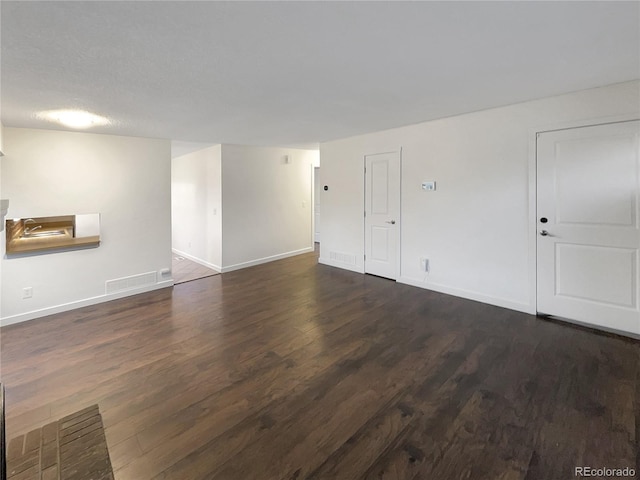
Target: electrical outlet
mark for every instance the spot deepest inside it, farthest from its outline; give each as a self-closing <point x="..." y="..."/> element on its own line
<point x="424" y="264"/>
<point x="27" y="292"/>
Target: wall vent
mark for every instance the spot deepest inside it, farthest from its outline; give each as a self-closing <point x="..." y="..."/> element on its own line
<point x="347" y="258"/>
<point x="130" y="283"/>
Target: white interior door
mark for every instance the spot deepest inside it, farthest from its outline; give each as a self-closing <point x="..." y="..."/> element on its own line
<point x="316" y="204"/>
<point x="382" y="215"/>
<point x="588" y="191"/>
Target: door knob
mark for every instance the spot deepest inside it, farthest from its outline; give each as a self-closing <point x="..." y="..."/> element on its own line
<point x="392" y="222"/>
<point x="544" y="233"/>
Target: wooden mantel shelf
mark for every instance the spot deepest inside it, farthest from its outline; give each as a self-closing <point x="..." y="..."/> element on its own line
<point x="40" y="244"/>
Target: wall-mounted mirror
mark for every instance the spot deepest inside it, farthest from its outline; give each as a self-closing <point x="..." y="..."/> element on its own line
<point x="41" y="234"/>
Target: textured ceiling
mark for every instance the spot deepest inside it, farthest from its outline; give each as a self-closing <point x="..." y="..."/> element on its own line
<point x="290" y="73"/>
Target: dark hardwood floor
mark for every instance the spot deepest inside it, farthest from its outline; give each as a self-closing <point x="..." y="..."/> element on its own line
<point x="293" y="370"/>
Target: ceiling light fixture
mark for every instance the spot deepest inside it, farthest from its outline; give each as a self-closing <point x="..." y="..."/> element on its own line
<point x="74" y="118"/>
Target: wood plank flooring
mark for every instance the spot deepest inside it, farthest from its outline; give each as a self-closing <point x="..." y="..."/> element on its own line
<point x="294" y="370"/>
<point x="185" y="270"/>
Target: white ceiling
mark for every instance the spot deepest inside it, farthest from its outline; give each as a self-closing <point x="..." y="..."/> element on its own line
<point x="291" y="73"/>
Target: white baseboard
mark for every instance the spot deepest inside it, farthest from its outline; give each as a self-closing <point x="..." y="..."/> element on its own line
<point x="470" y="295"/>
<point x="197" y="260"/>
<point x="271" y="258"/>
<point x="65" y="307"/>
<point x="344" y="266"/>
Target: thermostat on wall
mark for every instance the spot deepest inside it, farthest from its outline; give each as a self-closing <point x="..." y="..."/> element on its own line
<point x="429" y="186"/>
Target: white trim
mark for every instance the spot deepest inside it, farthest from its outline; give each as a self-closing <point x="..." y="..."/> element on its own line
<point x="313" y="204"/>
<point x="272" y="258"/>
<point x="399" y="253"/>
<point x="197" y="260"/>
<point x="469" y="295"/>
<point x="23" y="317"/>
<point x="533" y="221"/>
<point x="343" y="266"/>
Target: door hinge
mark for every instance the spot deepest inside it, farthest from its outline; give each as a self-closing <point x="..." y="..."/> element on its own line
<point x="365" y="257"/>
<point x="365" y="213"/>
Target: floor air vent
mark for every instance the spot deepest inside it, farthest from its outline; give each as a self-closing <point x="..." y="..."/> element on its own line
<point x="130" y="283"/>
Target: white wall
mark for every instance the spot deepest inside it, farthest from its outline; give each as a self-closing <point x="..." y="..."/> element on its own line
<point x="127" y="180"/>
<point x="196" y="206"/>
<point x="478" y="227"/>
<point x="267" y="204"/>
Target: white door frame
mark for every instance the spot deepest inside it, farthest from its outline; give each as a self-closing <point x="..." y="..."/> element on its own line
<point x="533" y="186"/>
<point x="397" y="151"/>
<point x="314" y="179"/>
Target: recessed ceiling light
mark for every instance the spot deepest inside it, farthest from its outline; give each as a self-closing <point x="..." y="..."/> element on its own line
<point x="74" y="118"/>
